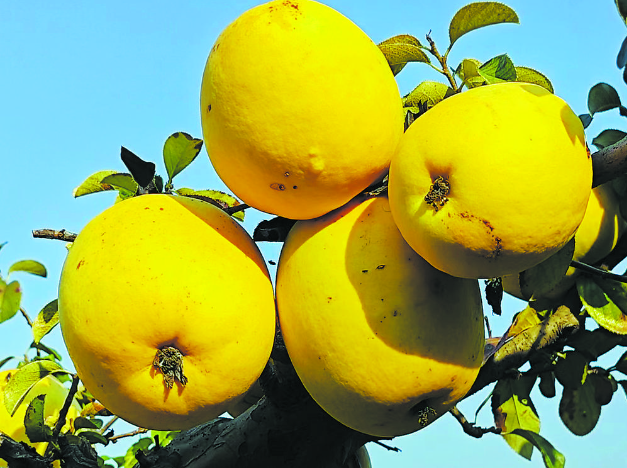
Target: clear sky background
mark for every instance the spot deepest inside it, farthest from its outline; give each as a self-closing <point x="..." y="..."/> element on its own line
<point x="80" y="79"/>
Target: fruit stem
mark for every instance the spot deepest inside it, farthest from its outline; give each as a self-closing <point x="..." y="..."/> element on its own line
<point x="446" y="71"/>
<point x="169" y="361"/>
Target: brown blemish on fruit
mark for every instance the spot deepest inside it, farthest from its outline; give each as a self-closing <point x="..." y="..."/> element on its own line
<point x="437" y="195"/>
<point x="277" y="186"/>
<point x="80" y="264"/>
<point x="488" y="225"/>
<point x="208" y="108"/>
<point x="287" y="174"/>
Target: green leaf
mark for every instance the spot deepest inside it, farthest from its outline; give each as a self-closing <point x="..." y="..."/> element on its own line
<point x="46" y="320"/>
<point x="602" y="97"/>
<point x="85" y="423"/>
<point x="600" y="307"/>
<point x="10" y="299"/>
<point x="603" y="384"/>
<point x="123" y="183"/>
<point x="142" y="444"/>
<point x="608" y="137"/>
<point x="93" y="437"/>
<point x="513" y="409"/>
<point x="621" y="364"/>
<point x="468" y="72"/>
<point x="498" y="70"/>
<point x="93" y="184"/>
<point x="401" y="49"/>
<point x="142" y="171"/>
<point x="165" y="437"/>
<point x="179" y="150"/>
<point x="542" y="278"/>
<point x="621" y="58"/>
<point x="24" y="379"/>
<point x="571" y="370"/>
<point x="4" y="361"/>
<point x="622" y="9"/>
<point x="53" y="354"/>
<point x="29" y="266"/>
<point x="427" y="94"/>
<point x="594" y="343"/>
<point x="579" y="410"/>
<point x="529" y="75"/>
<point x="552" y="458"/>
<point x="36" y="428"/>
<point x="477" y="15"/>
<point x="586" y="120"/>
<point x="215" y="197"/>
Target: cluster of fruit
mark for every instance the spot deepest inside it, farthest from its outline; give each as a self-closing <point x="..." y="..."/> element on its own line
<point x="166" y="305"/>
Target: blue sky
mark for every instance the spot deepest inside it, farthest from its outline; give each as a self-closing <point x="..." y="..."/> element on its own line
<point x="81" y="79"/>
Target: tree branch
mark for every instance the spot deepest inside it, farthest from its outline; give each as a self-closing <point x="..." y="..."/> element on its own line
<point x="609" y="162"/>
<point x="469" y="428"/>
<point x="52" y="234"/>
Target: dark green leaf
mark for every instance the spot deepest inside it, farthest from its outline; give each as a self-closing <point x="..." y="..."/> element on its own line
<point x="179" y="150"/>
<point x="427" y="94"/>
<point x="46" y="320"/>
<point x="142" y="171"/>
<point x="477" y="15"/>
<point x="600" y="307"/>
<point x="4" y="361"/>
<point x="547" y="384"/>
<point x="10" y="299"/>
<point x="571" y="370"/>
<point x="621" y="58"/>
<point x="24" y="379"/>
<point x="84" y="423"/>
<point x="513" y="409"/>
<point x="468" y="72"/>
<point x="529" y="75"/>
<point x="623" y="383"/>
<point x="29" y="266"/>
<point x="603" y="385"/>
<point x="586" y="120"/>
<point x="608" y="137"/>
<point x="2" y="245"/>
<point x="401" y="49"/>
<point x="621" y="365"/>
<point x="602" y="97"/>
<point x="542" y="278"/>
<point x="215" y="197"/>
<point x="142" y="444"/>
<point x="123" y="183"/>
<point x="165" y="437"/>
<point x="594" y="343"/>
<point x="498" y="70"/>
<point x="93" y="437"/>
<point x="552" y="458"/>
<point x="36" y="429"/>
<point x="579" y="410"/>
<point x="273" y="230"/>
<point x="52" y="353"/>
<point x="494" y="294"/>
<point x="93" y="184"/>
<point x="622" y="8"/>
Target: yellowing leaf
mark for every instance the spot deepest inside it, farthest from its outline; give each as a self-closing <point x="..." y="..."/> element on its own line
<point x="529" y="75"/>
<point x="551" y="456"/>
<point x="477" y="15"/>
<point x="427" y="94"/>
<point x="513" y="409"/>
<point x="606" y="311"/>
<point x="93" y="184"/>
<point x="24" y="379"/>
<point x="29" y="266"/>
<point x="401" y="49"/>
<point x="10" y="299"/>
<point x="46" y="320"/>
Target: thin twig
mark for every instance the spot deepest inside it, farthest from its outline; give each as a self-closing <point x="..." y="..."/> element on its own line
<point x="110" y="423"/>
<point x="128" y="434"/>
<point x="234" y="209"/>
<point x="392" y="449"/>
<point x="445" y="69"/>
<point x="28" y="320"/>
<point x="56" y="235"/>
<point x="469" y="428"/>
<point x="64" y="410"/>
<point x="598" y="272"/>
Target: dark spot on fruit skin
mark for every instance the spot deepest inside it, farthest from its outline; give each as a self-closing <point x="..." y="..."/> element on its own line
<point x="209" y="108"/>
<point x="364" y="271"/>
<point x="160" y="209"/>
<point x="80" y="264"/>
<point x="276" y="186"/>
<point x="295" y="187"/>
<point x="489" y="226"/>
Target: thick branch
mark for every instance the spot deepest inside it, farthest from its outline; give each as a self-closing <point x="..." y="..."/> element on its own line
<point x="609" y="162"/>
